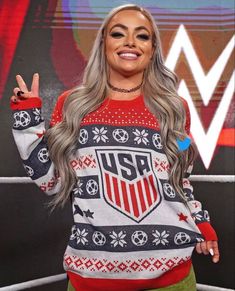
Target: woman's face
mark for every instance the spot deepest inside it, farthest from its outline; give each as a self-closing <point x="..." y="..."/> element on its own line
<point x="128" y="43"/>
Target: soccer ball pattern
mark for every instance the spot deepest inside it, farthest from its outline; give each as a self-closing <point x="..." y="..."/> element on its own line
<point x="206" y="215"/>
<point x="73" y="232"/>
<point x="83" y="136"/>
<point x="161" y="238"/>
<point x="157" y="141"/>
<point x="168" y="190"/>
<point x="21" y="118"/>
<point x="139" y="238"/>
<point x="181" y="238"/>
<point x="130" y="238"/>
<point x="92" y="187"/>
<point x="120" y="135"/>
<point x="29" y="170"/>
<point x="98" y="238"/>
<point x="100" y="135"/>
<point x="43" y="155"/>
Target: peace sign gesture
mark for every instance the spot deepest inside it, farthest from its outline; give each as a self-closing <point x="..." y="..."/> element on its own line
<point x="22" y="92"/>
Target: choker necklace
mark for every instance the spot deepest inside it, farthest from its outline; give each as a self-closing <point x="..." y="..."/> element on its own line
<point x="121" y="90"/>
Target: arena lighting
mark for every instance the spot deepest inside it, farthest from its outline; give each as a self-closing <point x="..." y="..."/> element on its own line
<point x="206" y="83"/>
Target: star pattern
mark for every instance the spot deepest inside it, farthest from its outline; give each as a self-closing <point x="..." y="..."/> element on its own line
<point x="182" y="217"/>
<point x="77" y="210"/>
<point x="40" y="134"/>
<point x="88" y="213"/>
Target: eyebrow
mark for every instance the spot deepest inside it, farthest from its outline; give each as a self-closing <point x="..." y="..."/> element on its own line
<point x="126" y="28"/>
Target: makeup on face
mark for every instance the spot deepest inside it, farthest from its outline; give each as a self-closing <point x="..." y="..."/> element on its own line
<point x="128" y="42"/>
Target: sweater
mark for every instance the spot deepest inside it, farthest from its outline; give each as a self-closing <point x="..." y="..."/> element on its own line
<point x="131" y="230"/>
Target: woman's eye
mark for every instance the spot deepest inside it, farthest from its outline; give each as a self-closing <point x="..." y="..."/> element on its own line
<point x="143" y="36"/>
<point x="116" y="34"/>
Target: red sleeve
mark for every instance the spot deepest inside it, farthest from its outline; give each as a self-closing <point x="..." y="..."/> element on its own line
<point x="32" y="102"/>
<point x="57" y="114"/>
<point x="207" y="231"/>
<point x="188" y="117"/>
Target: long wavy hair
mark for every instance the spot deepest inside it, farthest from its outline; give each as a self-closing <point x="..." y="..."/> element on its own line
<point x="160" y="91"/>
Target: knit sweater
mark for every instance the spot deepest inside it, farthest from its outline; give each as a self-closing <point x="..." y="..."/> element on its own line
<point x="131" y="229"/>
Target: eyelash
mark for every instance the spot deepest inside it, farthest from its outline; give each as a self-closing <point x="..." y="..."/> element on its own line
<point x="141" y="36"/>
<point x="116" y="34"/>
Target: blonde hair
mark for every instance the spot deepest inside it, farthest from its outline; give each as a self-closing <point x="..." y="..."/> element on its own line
<point x="159" y="89"/>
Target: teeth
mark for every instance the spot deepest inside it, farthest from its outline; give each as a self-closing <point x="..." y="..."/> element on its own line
<point x="128" y="55"/>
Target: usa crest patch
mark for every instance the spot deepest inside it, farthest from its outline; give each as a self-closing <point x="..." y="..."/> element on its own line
<point x="128" y="181"/>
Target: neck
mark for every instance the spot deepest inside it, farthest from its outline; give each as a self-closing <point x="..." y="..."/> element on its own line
<point x="120" y="85"/>
<point x="123" y="96"/>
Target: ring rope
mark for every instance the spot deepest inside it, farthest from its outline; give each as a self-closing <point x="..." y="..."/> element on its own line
<point x="60" y="277"/>
<point x="196" y="178"/>
<point x="202" y="287"/>
<point x="34" y="283"/>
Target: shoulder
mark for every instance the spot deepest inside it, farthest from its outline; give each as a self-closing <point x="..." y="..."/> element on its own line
<point x="57" y="114"/>
<point x="185" y="103"/>
<point x="61" y="99"/>
<point x="188" y="117"/>
<point x="186" y="107"/>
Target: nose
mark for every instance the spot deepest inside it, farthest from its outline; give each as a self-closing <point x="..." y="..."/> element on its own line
<point x="130" y="40"/>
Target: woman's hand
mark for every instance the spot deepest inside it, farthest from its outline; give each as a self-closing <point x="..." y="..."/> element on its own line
<point x="22" y="92"/>
<point x="209" y="247"/>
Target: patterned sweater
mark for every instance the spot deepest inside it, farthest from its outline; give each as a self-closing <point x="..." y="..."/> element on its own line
<point x="131" y="230"/>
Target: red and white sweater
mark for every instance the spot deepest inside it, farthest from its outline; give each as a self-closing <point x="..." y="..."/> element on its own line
<point x="131" y="230"/>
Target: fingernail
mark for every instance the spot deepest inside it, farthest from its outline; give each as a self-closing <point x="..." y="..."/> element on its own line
<point x="211" y="252"/>
<point x="19" y="93"/>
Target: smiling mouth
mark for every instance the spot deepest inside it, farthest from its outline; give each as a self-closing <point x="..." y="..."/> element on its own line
<point x="128" y="55"/>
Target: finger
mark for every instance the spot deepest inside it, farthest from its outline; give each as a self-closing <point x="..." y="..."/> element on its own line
<point x="35" y="85"/>
<point x="14" y="99"/>
<point x="209" y="245"/>
<point x="17" y="97"/>
<point x="204" y="248"/>
<point x="198" y="248"/>
<point x="216" y="255"/>
<point x="20" y="94"/>
<point x="21" y="83"/>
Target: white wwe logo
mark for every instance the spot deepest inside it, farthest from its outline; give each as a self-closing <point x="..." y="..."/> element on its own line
<point x="205" y="141"/>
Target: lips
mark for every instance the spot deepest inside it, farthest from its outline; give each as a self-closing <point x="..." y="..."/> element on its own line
<point x="129" y="55"/>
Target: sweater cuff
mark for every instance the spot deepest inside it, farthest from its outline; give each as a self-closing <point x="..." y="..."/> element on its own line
<point x="29" y="103"/>
<point x="207" y="231"/>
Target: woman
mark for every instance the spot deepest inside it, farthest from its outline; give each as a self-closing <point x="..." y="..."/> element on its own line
<point x="114" y="149"/>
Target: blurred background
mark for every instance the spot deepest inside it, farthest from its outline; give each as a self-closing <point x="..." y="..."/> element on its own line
<point x="54" y="38"/>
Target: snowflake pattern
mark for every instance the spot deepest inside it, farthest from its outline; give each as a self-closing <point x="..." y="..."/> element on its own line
<point x="100" y="134"/>
<point x="118" y="238"/>
<point x="141" y="136"/>
<point x="37" y="113"/>
<point x="160" y="238"/>
<point x="81" y="236"/>
<point x="78" y="189"/>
